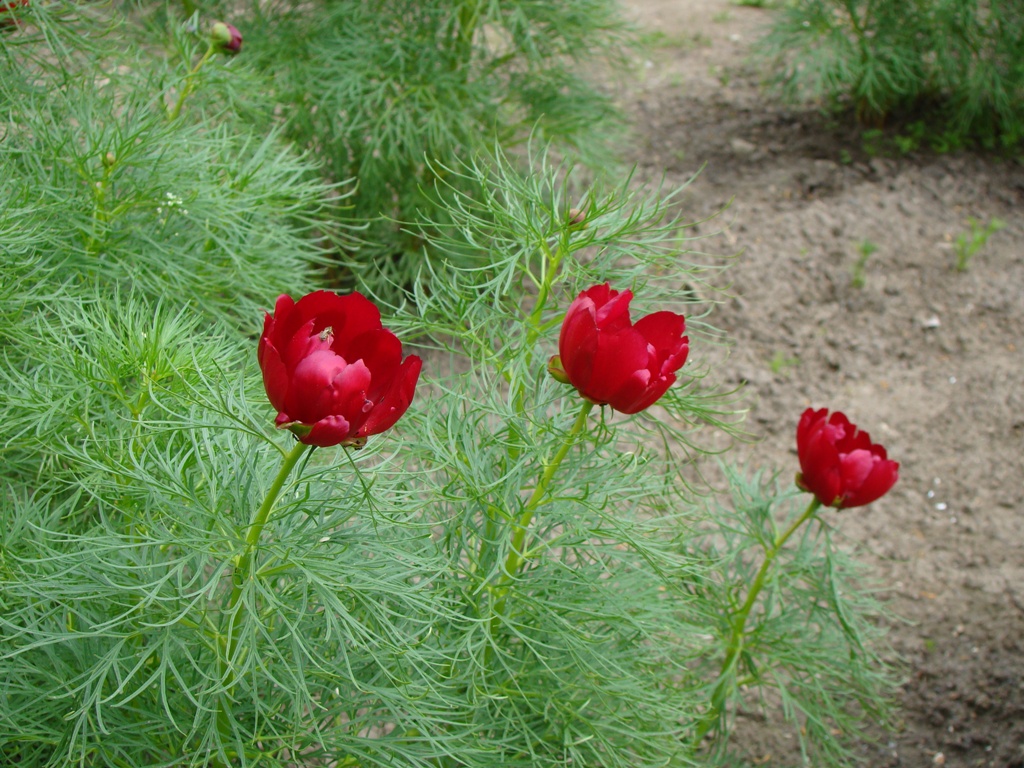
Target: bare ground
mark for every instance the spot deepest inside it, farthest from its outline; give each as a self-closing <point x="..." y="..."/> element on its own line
<point x="928" y="359"/>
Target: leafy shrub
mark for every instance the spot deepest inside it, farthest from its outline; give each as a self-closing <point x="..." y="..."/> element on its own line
<point x="960" y="61"/>
<point x="386" y="93"/>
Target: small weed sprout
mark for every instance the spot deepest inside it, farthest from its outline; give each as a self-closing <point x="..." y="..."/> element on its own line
<point x="722" y="74"/>
<point x="859" y="270"/>
<point x="968" y="243"/>
<point x="781" y="363"/>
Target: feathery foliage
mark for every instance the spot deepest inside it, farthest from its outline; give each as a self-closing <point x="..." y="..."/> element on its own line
<point x="504" y="578"/>
<point x="391" y="93"/>
<point x="959" y="62"/>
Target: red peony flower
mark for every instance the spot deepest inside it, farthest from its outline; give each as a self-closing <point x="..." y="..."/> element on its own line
<point x="838" y="463"/>
<point x="334" y="374"/>
<point x="226" y="37"/>
<point x="613" y="362"/>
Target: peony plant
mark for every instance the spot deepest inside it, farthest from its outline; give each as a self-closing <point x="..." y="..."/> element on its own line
<point x="200" y="570"/>
<point x="841" y="468"/>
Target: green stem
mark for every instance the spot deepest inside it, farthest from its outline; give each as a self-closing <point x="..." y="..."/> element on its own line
<point x="243" y="570"/>
<point x="190" y="80"/>
<point x="100" y="215"/>
<point x="469" y="16"/>
<point x="549" y="271"/>
<point x="516" y="557"/>
<point x="243" y="573"/>
<point x="739" y="626"/>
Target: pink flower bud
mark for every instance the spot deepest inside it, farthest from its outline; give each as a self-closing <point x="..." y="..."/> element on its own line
<point x="333" y="373"/>
<point x="226" y="38"/>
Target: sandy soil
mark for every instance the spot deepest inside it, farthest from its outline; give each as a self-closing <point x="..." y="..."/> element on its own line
<point x="928" y="359"/>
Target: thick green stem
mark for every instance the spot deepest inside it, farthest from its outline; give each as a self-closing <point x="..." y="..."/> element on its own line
<point x="243" y="570"/>
<point x="189" y="85"/>
<point x="724" y="685"/>
<point x="241" y="575"/>
<point x="549" y="272"/>
<point x="516" y="556"/>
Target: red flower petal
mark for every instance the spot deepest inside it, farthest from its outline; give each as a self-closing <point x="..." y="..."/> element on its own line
<point x="350" y="315"/>
<point x="329" y="431"/>
<point x="299" y="344"/>
<point x="282" y="307"/>
<point x="613" y="313"/>
<point x="381" y="352"/>
<point x="325" y="384"/>
<point x="883" y="476"/>
<point x="577" y="347"/>
<point x="819" y="463"/>
<point x="275" y="375"/>
<point x="619" y="367"/>
<point x="628" y="403"/>
<point x="809" y="418"/>
<point x="854" y="467"/>
<point x="663" y="330"/>
<point x="396" y="400"/>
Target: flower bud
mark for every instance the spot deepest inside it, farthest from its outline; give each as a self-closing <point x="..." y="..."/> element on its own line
<point x="557" y="371"/>
<point x="577" y="217"/>
<point x="108" y="160"/>
<point x="226" y="38"/>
